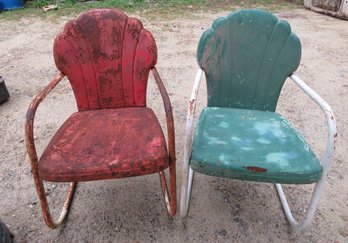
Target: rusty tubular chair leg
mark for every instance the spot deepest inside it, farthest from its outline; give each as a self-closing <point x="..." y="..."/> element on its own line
<point x="170" y="198"/>
<point x="30" y="144"/>
<point x="44" y="204"/>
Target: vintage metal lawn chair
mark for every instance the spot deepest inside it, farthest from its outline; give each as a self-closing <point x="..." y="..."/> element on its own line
<point x="246" y="57"/>
<point x="107" y="58"/>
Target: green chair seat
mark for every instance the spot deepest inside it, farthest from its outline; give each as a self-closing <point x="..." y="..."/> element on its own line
<point x="252" y="145"/>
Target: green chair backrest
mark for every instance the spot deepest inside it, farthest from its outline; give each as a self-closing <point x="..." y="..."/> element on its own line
<point x="247" y="57"/>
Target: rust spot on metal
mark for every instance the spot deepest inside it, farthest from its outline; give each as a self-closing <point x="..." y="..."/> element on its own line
<point x="191" y="105"/>
<point x="101" y="40"/>
<point x="135" y="28"/>
<point x="62" y="61"/>
<point x="170" y="196"/>
<point x="331" y="115"/>
<point x="85" y="47"/>
<point x="256" y="169"/>
<point x="335" y="141"/>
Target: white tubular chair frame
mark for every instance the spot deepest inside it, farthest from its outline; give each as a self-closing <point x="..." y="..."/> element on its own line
<point x="325" y="160"/>
<point x="187" y="174"/>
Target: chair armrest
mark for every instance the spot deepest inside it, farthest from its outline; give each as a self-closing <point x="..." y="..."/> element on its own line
<point x="29" y="122"/>
<point x="330" y="119"/>
<point x="187" y="173"/>
<point x="169" y="114"/>
<point x="191" y="110"/>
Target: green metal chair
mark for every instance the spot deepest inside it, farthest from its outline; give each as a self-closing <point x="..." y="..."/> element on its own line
<point x="246" y="58"/>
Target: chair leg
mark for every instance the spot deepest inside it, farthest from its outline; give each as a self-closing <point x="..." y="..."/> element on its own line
<point x="170" y="198"/>
<point x="310" y="210"/>
<point x="189" y="189"/>
<point x="186" y="189"/>
<point x="44" y="204"/>
<point x="186" y="183"/>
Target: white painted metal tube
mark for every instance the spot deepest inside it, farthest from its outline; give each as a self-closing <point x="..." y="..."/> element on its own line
<point x="62" y="216"/>
<point x="189" y="187"/>
<point x="330" y="119"/>
<point x="187" y="173"/>
<point x="325" y="160"/>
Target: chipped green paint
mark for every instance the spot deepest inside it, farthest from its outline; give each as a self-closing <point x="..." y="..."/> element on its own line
<point x="246" y="57"/>
<point x="252" y="145"/>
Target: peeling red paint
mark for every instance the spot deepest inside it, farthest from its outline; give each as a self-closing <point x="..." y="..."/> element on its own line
<point x="103" y="154"/>
<point x="107" y="57"/>
<point x="256" y="169"/>
<point x="192" y="102"/>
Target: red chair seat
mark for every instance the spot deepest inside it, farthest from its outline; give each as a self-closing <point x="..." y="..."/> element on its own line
<point x="105" y="144"/>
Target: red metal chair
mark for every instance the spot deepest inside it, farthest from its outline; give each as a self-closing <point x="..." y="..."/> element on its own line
<point x="107" y="58"/>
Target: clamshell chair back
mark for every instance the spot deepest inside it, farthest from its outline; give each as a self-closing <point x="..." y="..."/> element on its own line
<point x="107" y="58"/>
<point x="246" y="58"/>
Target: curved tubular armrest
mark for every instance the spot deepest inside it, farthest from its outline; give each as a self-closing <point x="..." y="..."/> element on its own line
<point x="325" y="161"/>
<point x="29" y="123"/>
<point x="186" y="172"/>
<point x="169" y="115"/>
<point x="191" y="111"/>
<point x="30" y="144"/>
<point x="330" y="119"/>
<point x="169" y="196"/>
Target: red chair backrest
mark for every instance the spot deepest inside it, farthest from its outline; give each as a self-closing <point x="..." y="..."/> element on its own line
<point x="107" y="57"/>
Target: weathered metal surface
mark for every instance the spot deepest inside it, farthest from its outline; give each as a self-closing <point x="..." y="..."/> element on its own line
<point x="325" y="160"/>
<point x="255" y="168"/>
<point x="187" y="173"/>
<point x="252" y="145"/>
<point x="30" y="144"/>
<point x="214" y="63"/>
<point x="105" y="144"/>
<point x="170" y="197"/>
<point x="246" y="57"/>
<point x="107" y="57"/>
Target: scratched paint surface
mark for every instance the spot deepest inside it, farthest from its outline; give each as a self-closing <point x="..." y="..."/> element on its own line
<point x="106" y="143"/>
<point x="252" y="145"/>
<point x="246" y="57"/>
<point x="107" y="57"/>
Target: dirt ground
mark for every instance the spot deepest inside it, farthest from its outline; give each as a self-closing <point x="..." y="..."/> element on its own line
<point x="132" y="210"/>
